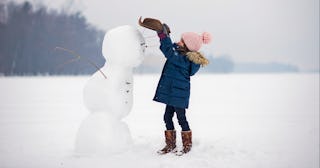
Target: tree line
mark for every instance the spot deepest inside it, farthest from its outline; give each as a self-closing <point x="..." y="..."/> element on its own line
<point x="29" y="39"/>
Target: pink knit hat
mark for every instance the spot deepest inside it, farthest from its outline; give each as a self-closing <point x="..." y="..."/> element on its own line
<point x="194" y="41"/>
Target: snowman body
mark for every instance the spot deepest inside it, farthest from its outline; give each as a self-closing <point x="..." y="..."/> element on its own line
<point x="110" y="99"/>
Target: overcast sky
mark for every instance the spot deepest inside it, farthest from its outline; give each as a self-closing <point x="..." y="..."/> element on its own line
<point x="284" y="31"/>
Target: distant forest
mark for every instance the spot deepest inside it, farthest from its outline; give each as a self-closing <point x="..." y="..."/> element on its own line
<point x="29" y="37"/>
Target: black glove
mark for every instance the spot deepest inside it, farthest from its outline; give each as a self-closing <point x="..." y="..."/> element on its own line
<point x="165" y="32"/>
<point x="166" y="29"/>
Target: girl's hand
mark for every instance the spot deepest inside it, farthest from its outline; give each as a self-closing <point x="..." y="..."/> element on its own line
<point x="166" y="29"/>
<point x="164" y="32"/>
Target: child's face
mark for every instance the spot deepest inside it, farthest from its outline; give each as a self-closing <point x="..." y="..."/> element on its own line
<point x="181" y="43"/>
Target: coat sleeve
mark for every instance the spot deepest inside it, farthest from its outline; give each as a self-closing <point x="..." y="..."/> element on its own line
<point x="166" y="46"/>
<point x="194" y="68"/>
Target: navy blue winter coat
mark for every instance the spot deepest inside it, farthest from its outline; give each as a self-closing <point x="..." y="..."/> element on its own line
<point x="174" y="85"/>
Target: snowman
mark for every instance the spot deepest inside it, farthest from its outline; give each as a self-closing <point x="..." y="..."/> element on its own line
<point x="109" y="98"/>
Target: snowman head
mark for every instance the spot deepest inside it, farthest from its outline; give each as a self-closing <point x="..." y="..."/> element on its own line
<point x="123" y="46"/>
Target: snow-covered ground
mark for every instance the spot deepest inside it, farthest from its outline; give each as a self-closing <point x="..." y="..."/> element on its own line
<point x="238" y="121"/>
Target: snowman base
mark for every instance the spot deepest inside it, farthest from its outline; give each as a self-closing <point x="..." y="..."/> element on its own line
<point x="100" y="134"/>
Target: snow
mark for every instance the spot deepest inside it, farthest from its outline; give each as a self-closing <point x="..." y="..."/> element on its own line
<point x="123" y="45"/>
<point x="238" y="120"/>
<point x="110" y="99"/>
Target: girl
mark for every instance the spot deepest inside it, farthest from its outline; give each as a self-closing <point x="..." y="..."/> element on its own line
<point x="183" y="61"/>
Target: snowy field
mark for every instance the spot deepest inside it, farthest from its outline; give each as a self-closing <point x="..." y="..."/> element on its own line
<point x="238" y="121"/>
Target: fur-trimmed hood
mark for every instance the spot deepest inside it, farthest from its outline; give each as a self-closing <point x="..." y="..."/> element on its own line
<point x="197" y="58"/>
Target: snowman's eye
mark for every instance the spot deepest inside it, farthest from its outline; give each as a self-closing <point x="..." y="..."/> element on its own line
<point x="143" y="45"/>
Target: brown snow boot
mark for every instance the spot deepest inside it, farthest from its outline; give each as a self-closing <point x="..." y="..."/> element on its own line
<point x="186" y="142"/>
<point x="170" y="136"/>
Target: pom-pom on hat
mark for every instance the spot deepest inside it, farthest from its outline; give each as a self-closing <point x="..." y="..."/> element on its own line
<point x="194" y="41"/>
